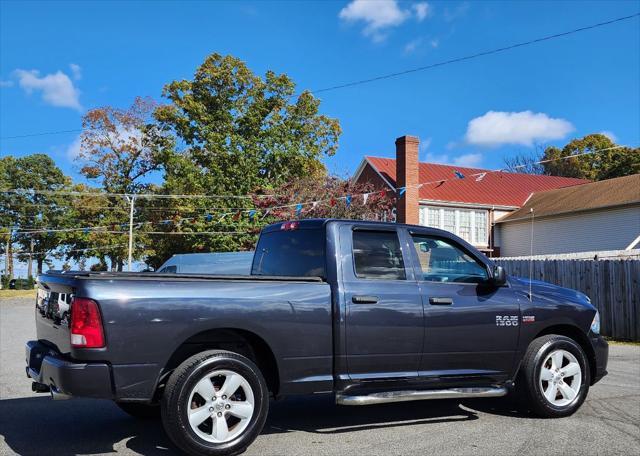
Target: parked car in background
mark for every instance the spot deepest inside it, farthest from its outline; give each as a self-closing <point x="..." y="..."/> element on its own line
<point x="370" y="312"/>
<point x="229" y="263"/>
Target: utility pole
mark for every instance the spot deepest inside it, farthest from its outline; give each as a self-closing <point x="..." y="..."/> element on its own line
<point x="8" y="268"/>
<point x="30" y="264"/>
<point x="132" y="201"/>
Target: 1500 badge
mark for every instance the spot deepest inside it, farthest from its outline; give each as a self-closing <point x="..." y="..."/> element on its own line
<point x="506" y="320"/>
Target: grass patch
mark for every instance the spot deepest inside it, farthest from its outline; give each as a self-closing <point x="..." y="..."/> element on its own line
<point x="17" y="293"/>
<point x="622" y="342"/>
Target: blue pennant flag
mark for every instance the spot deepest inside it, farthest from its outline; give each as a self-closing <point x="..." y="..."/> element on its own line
<point x="86" y="231"/>
<point x="458" y="174"/>
<point x="401" y="190"/>
<point x="347" y="200"/>
<point x="252" y="213"/>
<point x="298" y="208"/>
<point x="209" y="217"/>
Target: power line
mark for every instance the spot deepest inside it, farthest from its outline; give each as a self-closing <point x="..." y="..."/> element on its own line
<point x="255" y="213"/>
<point x="412" y="70"/>
<point x="44" y="133"/>
<point x="476" y="55"/>
<point x="167" y="196"/>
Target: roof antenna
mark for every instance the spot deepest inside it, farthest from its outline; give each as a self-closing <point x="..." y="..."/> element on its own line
<point x="531" y="257"/>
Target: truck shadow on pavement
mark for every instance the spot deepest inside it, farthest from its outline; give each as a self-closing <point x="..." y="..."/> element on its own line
<point x="84" y="426"/>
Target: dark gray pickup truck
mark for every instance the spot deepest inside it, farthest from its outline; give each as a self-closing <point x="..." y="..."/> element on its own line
<point x="371" y="312"/>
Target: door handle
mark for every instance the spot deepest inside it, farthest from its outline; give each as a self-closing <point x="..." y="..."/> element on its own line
<point x="441" y="301"/>
<point x="364" y="299"/>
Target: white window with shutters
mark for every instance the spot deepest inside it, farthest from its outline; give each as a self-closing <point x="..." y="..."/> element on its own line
<point x="470" y="224"/>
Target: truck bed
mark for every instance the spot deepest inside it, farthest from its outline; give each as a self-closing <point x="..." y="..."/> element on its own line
<point x="173" y="276"/>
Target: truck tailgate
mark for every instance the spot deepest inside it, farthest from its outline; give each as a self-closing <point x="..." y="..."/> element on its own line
<point x="53" y="311"/>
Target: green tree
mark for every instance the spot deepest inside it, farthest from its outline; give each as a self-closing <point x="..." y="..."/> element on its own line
<point x="607" y="164"/>
<point x="34" y="208"/>
<point x="242" y="131"/>
<point x="239" y="132"/>
<point x="7" y="217"/>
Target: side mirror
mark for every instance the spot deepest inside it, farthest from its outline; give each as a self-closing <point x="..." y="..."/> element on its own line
<point x="498" y="276"/>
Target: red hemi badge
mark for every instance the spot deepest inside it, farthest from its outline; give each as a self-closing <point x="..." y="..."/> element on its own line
<point x="528" y="319"/>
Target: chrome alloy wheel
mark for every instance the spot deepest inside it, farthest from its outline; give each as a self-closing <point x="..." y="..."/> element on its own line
<point x="560" y="378"/>
<point x="220" y="406"/>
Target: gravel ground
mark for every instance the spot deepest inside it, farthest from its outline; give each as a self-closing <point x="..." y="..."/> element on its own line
<point x="608" y="422"/>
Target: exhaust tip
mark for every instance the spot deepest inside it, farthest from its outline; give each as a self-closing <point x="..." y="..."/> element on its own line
<point x="58" y="396"/>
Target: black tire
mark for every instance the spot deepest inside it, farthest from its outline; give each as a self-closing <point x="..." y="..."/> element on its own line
<point x="530" y="375"/>
<point x="176" y="397"/>
<point x="141" y="411"/>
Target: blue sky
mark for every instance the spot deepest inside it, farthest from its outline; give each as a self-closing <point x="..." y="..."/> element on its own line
<point x="58" y="59"/>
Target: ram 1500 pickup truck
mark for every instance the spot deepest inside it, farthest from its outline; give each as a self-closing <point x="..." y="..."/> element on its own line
<point x="370" y="312"/>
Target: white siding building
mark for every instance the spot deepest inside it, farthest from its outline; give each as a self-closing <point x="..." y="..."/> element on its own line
<point x="600" y="216"/>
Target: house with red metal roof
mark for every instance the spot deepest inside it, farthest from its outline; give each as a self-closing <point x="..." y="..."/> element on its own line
<point x="465" y="201"/>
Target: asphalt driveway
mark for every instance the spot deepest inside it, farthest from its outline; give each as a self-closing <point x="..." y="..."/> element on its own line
<point x="608" y="423"/>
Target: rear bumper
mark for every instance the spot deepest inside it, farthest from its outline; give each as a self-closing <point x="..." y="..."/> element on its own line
<point x="46" y="366"/>
<point x="601" y="352"/>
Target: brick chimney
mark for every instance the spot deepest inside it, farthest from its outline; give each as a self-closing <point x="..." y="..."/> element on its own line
<point x="407" y="176"/>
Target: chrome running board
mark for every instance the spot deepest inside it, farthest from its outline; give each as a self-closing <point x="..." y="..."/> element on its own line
<point x="419" y="395"/>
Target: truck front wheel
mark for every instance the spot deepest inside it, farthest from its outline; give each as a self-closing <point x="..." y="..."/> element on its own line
<point x="215" y="403"/>
<point x="556" y="377"/>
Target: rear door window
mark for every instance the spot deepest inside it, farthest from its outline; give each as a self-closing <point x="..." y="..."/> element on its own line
<point x="290" y="253"/>
<point x="377" y="255"/>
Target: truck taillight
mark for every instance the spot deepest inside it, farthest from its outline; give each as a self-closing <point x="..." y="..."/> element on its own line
<point x="289" y="226"/>
<point x="86" y="324"/>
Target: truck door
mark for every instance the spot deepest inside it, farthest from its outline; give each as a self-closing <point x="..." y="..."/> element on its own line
<point x="384" y="316"/>
<point x="471" y="328"/>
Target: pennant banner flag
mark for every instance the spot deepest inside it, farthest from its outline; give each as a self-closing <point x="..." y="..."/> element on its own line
<point x="252" y="213"/>
<point x="298" y="209"/>
<point x="365" y="197"/>
<point x="347" y="200"/>
<point x="332" y="202"/>
<point x="401" y="190"/>
<point x="209" y="217"/>
<point x="459" y="175"/>
<point x="480" y="177"/>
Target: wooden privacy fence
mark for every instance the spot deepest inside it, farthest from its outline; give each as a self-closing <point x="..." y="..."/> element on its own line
<point x="612" y="285"/>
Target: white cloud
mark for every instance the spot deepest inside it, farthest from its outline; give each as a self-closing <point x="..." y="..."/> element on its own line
<point x="381" y="15"/>
<point x="57" y="88"/>
<point x="418" y="43"/>
<point x="610" y="135"/>
<point x="496" y="128"/>
<point x="471" y="160"/>
<point x="76" y="71"/>
<point x="422" y="10"/>
<point x="73" y="151"/>
<point x="119" y="138"/>
<point x="451" y="14"/>
<point x="468" y="160"/>
<point x="425" y="143"/>
<point x="6" y="83"/>
<point x="412" y="46"/>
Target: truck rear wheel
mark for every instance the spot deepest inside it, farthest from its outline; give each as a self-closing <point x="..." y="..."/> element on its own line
<point x="556" y="376"/>
<point x="215" y="403"/>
